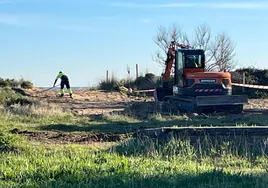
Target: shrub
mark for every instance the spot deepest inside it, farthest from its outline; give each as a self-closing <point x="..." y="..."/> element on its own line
<point x="148" y="81"/>
<point x="8" y="96"/>
<point x="3" y="83"/>
<point x="260" y="94"/>
<point x="252" y="76"/>
<point x="111" y="84"/>
<point x="12" y="82"/>
<point x="25" y="84"/>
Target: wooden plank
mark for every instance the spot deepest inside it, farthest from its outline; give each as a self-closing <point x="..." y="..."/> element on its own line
<point x="208" y="131"/>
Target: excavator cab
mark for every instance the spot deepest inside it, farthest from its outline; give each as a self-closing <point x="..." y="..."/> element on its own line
<point x="191" y="58"/>
<point x="188" y="61"/>
<point x="190" y="78"/>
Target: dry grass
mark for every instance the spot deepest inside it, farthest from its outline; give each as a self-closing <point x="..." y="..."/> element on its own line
<point x="36" y="110"/>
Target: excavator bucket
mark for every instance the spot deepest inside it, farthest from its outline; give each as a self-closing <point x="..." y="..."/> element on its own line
<point x="221" y="100"/>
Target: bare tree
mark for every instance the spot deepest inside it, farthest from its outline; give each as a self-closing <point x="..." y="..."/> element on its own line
<point x="164" y="37"/>
<point x="202" y="37"/>
<point x="219" y="51"/>
<point x="223" y="53"/>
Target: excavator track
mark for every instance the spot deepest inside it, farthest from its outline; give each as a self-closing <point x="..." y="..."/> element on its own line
<point x="176" y="104"/>
<point x="182" y="104"/>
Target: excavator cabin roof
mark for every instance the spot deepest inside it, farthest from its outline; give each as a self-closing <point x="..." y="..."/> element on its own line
<point x="192" y="51"/>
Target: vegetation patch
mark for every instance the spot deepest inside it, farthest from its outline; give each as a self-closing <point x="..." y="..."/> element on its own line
<point x="41" y="145"/>
<point x="175" y="165"/>
<point x="50" y="137"/>
<point x="10" y="142"/>
<point x="149" y="81"/>
<point x="16" y="83"/>
<point x="8" y="96"/>
<point x="253" y="76"/>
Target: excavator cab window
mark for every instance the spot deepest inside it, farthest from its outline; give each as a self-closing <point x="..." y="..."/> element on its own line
<point x="191" y="58"/>
<point x="193" y="61"/>
<point x="179" y="69"/>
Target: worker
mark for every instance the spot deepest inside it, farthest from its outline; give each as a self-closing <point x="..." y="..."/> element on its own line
<point x="64" y="82"/>
<point x="191" y="63"/>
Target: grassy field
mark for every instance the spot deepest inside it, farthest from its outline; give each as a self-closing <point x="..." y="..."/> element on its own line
<point x="127" y="163"/>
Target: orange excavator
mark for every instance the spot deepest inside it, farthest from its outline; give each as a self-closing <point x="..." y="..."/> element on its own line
<point x="194" y="89"/>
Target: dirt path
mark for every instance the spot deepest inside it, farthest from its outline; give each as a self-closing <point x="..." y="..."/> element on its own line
<point x="50" y="137"/>
<point x="86" y="102"/>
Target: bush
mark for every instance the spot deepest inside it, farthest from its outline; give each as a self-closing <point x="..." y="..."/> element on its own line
<point x="3" y="83"/>
<point x="149" y="81"/>
<point x="252" y="76"/>
<point x="111" y="84"/>
<point x="260" y="94"/>
<point x="128" y="83"/>
<point x="12" y="82"/>
<point x="8" y="96"/>
<point x="25" y="84"/>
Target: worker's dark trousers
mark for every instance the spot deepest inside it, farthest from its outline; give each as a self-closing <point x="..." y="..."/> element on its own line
<point x="67" y="84"/>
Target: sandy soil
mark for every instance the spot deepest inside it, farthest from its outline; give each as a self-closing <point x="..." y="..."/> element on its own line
<point x="258" y="104"/>
<point x="89" y="103"/>
<point x="86" y="102"/>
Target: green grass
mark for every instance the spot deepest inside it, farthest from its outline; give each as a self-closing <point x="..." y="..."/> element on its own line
<point x="51" y="118"/>
<point x="42" y="116"/>
<point x="32" y="117"/>
<point x="84" y="166"/>
<point x="130" y="163"/>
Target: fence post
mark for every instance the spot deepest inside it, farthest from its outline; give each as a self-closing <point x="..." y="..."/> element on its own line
<point x="128" y="76"/>
<point x="107" y="76"/>
<point x="244" y="81"/>
<point x="137" y="71"/>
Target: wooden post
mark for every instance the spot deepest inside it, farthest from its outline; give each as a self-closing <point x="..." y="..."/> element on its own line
<point x="137" y="70"/>
<point x="244" y="81"/>
<point x="107" y="76"/>
<point x="128" y="77"/>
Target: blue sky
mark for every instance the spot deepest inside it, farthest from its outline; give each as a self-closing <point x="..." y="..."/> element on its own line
<point x="84" y="38"/>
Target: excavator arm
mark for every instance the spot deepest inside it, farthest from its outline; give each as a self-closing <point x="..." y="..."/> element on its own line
<point x="170" y="59"/>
